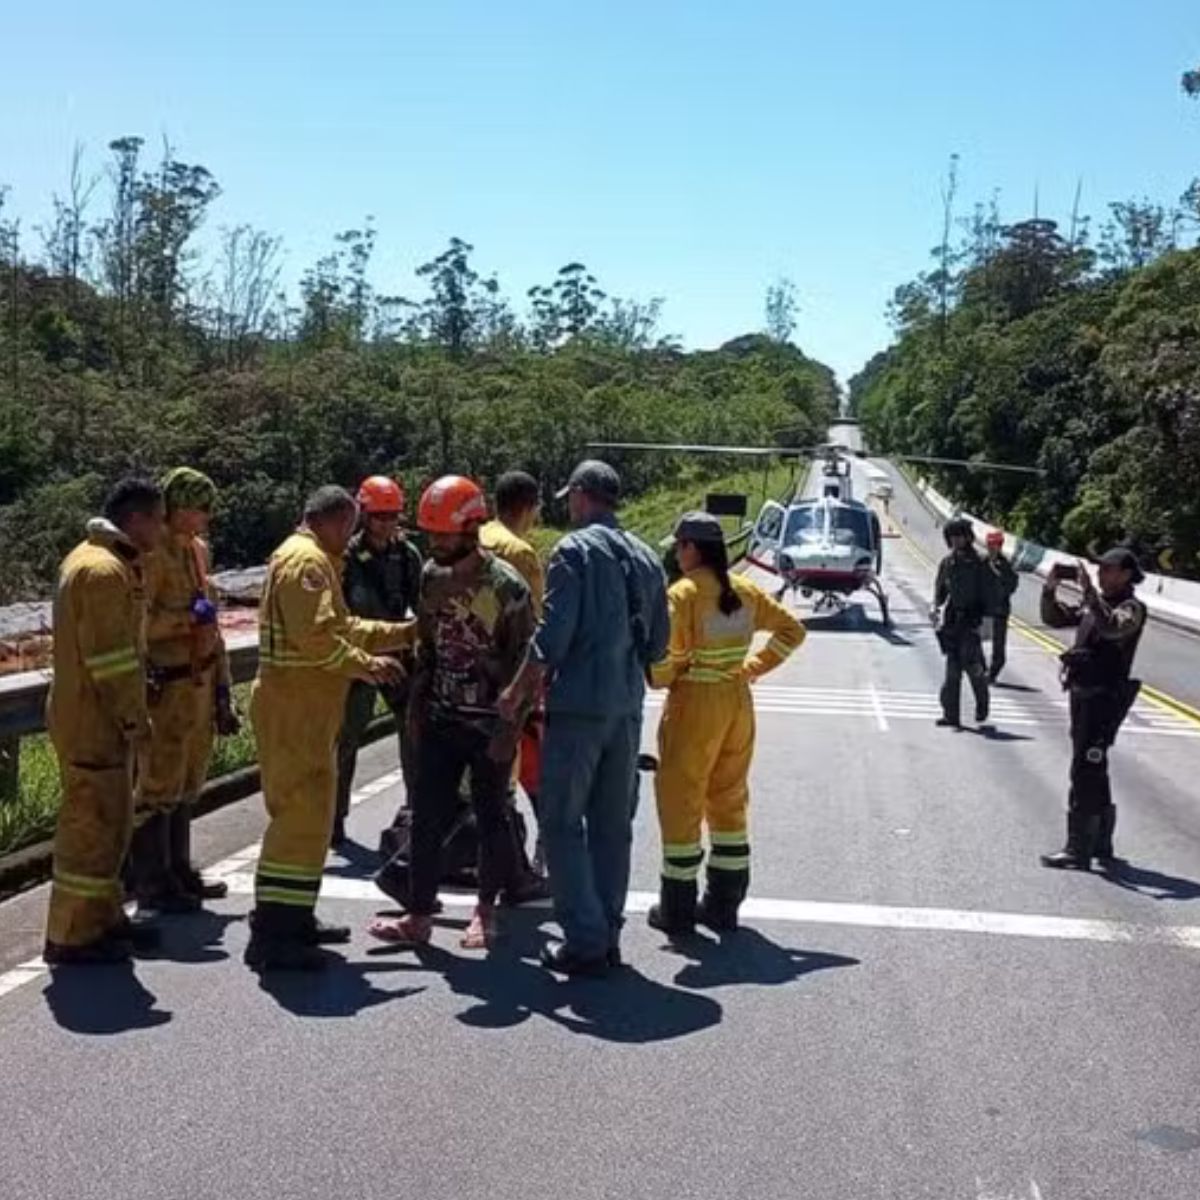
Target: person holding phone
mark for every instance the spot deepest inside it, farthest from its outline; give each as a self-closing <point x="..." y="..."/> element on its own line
<point x="1097" y="673"/>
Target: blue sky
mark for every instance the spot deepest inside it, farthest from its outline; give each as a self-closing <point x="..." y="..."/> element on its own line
<point x="693" y="151"/>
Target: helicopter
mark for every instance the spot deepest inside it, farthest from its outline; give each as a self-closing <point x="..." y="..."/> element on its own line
<point x="828" y="545"/>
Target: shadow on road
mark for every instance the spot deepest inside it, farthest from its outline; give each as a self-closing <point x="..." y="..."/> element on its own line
<point x="358" y="861"/>
<point x="195" y="938"/>
<point x="508" y="989"/>
<point x="748" y="956"/>
<point x="343" y="989"/>
<point x="854" y="619"/>
<point x="1015" y="687"/>
<point x="1148" y="882"/>
<point x="992" y="734"/>
<point x="102" y="1001"/>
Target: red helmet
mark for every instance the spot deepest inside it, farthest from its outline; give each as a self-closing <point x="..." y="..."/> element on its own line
<point x="381" y="495"/>
<point x="995" y="538"/>
<point x="451" y="504"/>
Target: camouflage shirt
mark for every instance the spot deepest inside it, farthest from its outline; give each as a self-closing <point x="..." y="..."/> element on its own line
<point x="474" y="624"/>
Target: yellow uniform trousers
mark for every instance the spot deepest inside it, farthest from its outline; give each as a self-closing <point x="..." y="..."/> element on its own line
<point x="94" y="825"/>
<point x="174" y="765"/>
<point x="297" y="733"/>
<point x="706" y="742"/>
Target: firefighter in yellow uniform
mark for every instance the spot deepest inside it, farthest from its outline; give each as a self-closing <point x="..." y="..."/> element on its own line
<point x="517" y="502"/>
<point x="97" y="719"/>
<point x="310" y="648"/>
<point x="706" y="736"/>
<point x="189" y="692"/>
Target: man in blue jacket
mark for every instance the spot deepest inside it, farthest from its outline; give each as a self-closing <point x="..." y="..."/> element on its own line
<point x="604" y="623"/>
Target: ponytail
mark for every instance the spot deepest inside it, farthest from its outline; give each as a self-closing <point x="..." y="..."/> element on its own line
<point x="714" y="556"/>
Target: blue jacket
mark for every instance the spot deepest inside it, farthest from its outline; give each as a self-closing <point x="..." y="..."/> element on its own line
<point x="605" y="593"/>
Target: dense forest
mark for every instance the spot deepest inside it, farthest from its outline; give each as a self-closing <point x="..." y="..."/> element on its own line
<point x="123" y="347"/>
<point x="1064" y="347"/>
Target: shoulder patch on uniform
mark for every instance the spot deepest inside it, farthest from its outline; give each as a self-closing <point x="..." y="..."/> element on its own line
<point x="312" y="579"/>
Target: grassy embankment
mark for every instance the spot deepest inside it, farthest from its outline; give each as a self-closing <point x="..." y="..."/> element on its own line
<point x="29" y="817"/>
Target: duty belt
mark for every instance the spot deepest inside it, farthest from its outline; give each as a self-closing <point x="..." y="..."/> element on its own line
<point x="161" y="676"/>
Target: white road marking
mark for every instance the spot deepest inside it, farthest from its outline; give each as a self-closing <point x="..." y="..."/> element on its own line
<point x="820" y="912"/>
<point x="232" y="869"/>
<point x="880" y="704"/>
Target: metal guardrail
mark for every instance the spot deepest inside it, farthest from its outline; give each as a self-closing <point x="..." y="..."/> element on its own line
<point x="23" y="696"/>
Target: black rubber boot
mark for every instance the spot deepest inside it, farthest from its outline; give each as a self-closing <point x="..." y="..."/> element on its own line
<point x="1104" y="853"/>
<point x="1082" y="832"/>
<point x="281" y="939"/>
<point x="723" y="895"/>
<point x="154" y="886"/>
<point x="675" y="912"/>
<point x="188" y="879"/>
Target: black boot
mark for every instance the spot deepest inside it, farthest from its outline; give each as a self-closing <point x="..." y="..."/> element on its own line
<point x="1082" y="832"/>
<point x="1104" y="853"/>
<point x="187" y="878"/>
<point x="675" y="912"/>
<point x="723" y="895"/>
<point x="154" y="886"/>
<point x="281" y="940"/>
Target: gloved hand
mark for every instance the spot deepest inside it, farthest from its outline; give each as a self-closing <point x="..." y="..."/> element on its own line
<point x="226" y="720"/>
<point x="203" y="611"/>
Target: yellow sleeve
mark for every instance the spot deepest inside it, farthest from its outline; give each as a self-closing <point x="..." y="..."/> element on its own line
<point x="109" y="627"/>
<point x="316" y="635"/>
<point x="680" y="602"/>
<point x="787" y="635"/>
<point x="378" y="637"/>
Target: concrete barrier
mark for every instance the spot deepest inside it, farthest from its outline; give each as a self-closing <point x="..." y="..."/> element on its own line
<point x="1174" y="601"/>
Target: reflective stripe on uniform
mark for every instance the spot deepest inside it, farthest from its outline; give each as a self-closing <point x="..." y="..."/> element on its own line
<point x="90" y="887"/>
<point x="730" y="850"/>
<point x="273" y="895"/>
<point x="781" y="645"/>
<point x="112" y="663"/>
<point x="681" y="860"/>
<point x="708" y="675"/>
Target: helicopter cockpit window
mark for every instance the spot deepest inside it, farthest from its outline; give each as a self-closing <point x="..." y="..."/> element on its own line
<point x="769" y="524"/>
<point x="851" y="527"/>
<point x="803" y="524"/>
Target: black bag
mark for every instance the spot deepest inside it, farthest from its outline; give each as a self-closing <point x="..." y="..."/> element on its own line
<point x="460" y="853"/>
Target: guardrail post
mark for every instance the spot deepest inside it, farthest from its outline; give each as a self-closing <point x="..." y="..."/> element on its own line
<point x="10" y="768"/>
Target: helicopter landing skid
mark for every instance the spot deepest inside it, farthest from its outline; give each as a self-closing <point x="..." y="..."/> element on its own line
<point x="876" y="590"/>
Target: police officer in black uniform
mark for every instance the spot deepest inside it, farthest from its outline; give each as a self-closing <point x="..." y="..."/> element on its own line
<point x="382" y="581"/>
<point x="1004" y="583"/>
<point x="962" y="598"/>
<point x="1096" y="673"/>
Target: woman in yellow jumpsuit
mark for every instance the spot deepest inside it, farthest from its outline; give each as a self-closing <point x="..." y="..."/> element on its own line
<point x="706" y="736"/>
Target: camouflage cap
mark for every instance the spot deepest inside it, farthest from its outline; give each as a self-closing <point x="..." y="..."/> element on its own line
<point x="185" y="487"/>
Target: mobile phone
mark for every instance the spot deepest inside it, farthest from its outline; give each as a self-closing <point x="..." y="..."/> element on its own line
<point x="1066" y="571"/>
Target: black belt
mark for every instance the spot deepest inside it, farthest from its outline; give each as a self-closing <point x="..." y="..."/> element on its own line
<point x="160" y="676"/>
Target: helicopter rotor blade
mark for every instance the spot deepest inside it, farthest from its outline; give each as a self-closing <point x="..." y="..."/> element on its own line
<point x="694" y="448"/>
<point x="977" y="464"/>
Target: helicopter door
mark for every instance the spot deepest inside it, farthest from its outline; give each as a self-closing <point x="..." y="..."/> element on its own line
<point x="763" y="548"/>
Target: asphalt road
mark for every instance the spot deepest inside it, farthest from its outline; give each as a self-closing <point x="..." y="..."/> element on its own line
<point x="916" y="1009"/>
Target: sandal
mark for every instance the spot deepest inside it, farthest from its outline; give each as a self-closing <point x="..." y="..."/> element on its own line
<point x="481" y="932"/>
<point x="409" y="930"/>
